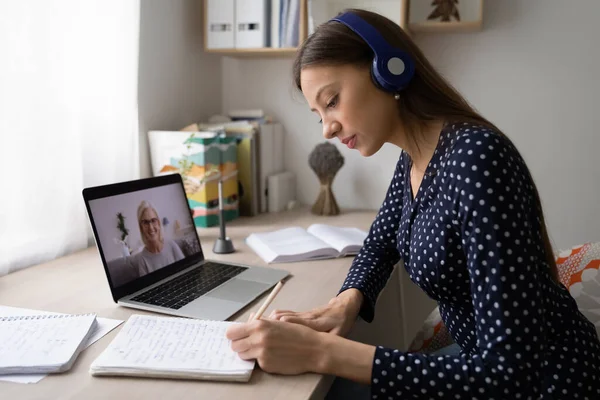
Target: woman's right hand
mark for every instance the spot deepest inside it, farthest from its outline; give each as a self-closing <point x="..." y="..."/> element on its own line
<point x="336" y="317"/>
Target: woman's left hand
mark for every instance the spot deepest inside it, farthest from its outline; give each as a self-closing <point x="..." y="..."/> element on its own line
<point x="278" y="347"/>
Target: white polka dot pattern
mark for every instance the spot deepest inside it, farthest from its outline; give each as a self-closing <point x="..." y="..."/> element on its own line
<point x="471" y="240"/>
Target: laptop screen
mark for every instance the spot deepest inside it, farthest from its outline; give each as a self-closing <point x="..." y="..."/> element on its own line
<point x="143" y="231"/>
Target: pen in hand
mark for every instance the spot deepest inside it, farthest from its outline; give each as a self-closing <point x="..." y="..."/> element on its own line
<point x="267" y="302"/>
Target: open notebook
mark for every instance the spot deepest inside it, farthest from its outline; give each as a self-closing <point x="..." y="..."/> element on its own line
<point x="42" y="344"/>
<point x="172" y="347"/>
<point x="317" y="242"/>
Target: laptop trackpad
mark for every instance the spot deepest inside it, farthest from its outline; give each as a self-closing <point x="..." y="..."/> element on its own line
<point x="239" y="290"/>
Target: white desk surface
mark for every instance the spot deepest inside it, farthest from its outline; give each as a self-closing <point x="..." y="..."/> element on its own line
<point x="77" y="284"/>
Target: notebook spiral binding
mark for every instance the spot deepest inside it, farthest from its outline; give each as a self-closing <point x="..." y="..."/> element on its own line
<point x="44" y="316"/>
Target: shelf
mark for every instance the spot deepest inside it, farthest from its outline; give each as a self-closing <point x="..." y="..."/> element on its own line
<point x="265" y="51"/>
<point x="259" y="52"/>
<point x="413" y="19"/>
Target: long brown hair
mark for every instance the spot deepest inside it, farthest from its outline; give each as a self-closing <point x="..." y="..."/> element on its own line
<point x="428" y="97"/>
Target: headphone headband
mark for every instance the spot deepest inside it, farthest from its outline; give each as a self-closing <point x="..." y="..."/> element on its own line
<point x="363" y="29"/>
<point x="392" y="68"/>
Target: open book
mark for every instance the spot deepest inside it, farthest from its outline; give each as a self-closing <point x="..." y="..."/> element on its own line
<point x="172" y="347"/>
<point x="317" y="242"/>
<point x="42" y="344"/>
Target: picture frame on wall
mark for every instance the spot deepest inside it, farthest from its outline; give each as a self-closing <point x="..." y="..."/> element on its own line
<point x="445" y="15"/>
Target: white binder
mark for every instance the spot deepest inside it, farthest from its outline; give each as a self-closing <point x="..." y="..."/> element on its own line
<point x="220" y="20"/>
<point x="271" y="145"/>
<point x="282" y="191"/>
<point x="251" y="23"/>
<point x="275" y="40"/>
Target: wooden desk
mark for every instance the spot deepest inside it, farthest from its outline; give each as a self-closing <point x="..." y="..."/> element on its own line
<point x="77" y="284"/>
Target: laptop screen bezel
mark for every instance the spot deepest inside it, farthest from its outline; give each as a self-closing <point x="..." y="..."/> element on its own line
<point x="98" y="192"/>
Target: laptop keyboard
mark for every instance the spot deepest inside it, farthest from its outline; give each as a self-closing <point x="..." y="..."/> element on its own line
<point x="178" y="292"/>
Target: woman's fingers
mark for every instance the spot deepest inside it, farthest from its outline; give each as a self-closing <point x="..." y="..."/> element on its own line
<point x="277" y="314"/>
<point x="315" y="319"/>
<point x="318" y="324"/>
<point x="241" y="346"/>
<point x="246" y="338"/>
<point x="294" y="319"/>
<point x="237" y="331"/>
<point x="251" y="354"/>
<point x="276" y="346"/>
<point x="337" y="330"/>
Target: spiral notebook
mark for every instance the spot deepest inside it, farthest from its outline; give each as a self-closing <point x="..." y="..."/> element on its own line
<point x="42" y="344"/>
<point x="171" y="347"/>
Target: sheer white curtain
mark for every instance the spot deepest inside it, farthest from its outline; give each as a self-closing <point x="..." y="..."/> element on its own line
<point x="68" y="119"/>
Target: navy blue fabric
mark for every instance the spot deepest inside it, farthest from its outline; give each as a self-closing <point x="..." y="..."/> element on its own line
<point x="471" y="240"/>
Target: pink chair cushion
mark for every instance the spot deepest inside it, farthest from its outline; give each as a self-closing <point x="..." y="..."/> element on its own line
<point x="578" y="271"/>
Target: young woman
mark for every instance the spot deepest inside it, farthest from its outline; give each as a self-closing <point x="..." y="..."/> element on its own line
<point x="463" y="214"/>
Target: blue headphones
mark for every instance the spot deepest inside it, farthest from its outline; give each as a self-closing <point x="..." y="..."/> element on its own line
<point x="392" y="68"/>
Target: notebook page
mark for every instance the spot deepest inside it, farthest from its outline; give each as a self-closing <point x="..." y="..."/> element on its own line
<point x="339" y="237"/>
<point x="41" y="341"/>
<point x="100" y="329"/>
<point x="172" y="344"/>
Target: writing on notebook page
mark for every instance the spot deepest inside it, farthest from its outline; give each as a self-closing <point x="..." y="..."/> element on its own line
<point x="168" y="343"/>
<point x="42" y="343"/>
<point x="30" y="338"/>
<point x="99" y="329"/>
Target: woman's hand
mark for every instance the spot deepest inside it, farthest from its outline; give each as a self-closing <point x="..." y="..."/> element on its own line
<point x="279" y="347"/>
<point x="337" y="317"/>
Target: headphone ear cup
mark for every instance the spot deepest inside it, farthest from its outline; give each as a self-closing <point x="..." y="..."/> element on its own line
<point x="393" y="70"/>
<point x="376" y="80"/>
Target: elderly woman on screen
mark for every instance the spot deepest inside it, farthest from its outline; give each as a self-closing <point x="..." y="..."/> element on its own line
<point x="158" y="251"/>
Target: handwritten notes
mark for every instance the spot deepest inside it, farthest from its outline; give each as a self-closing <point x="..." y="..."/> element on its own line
<point x="42" y="343"/>
<point x="172" y="346"/>
<point x="102" y="327"/>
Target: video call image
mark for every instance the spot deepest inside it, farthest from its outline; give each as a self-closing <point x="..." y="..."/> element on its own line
<point x="143" y="231"/>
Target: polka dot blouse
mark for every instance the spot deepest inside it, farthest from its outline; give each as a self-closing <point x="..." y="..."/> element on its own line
<point x="471" y="240"/>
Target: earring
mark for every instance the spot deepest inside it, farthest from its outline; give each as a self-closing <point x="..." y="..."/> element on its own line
<point x="397" y="96"/>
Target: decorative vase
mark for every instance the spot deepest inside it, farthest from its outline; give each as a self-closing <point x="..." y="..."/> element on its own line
<point x="325" y="160"/>
<point x="124" y="248"/>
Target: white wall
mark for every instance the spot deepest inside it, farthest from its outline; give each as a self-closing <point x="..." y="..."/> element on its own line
<point x="532" y="71"/>
<point x="178" y="83"/>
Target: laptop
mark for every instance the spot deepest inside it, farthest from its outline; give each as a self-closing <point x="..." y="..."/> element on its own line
<point x="153" y="258"/>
